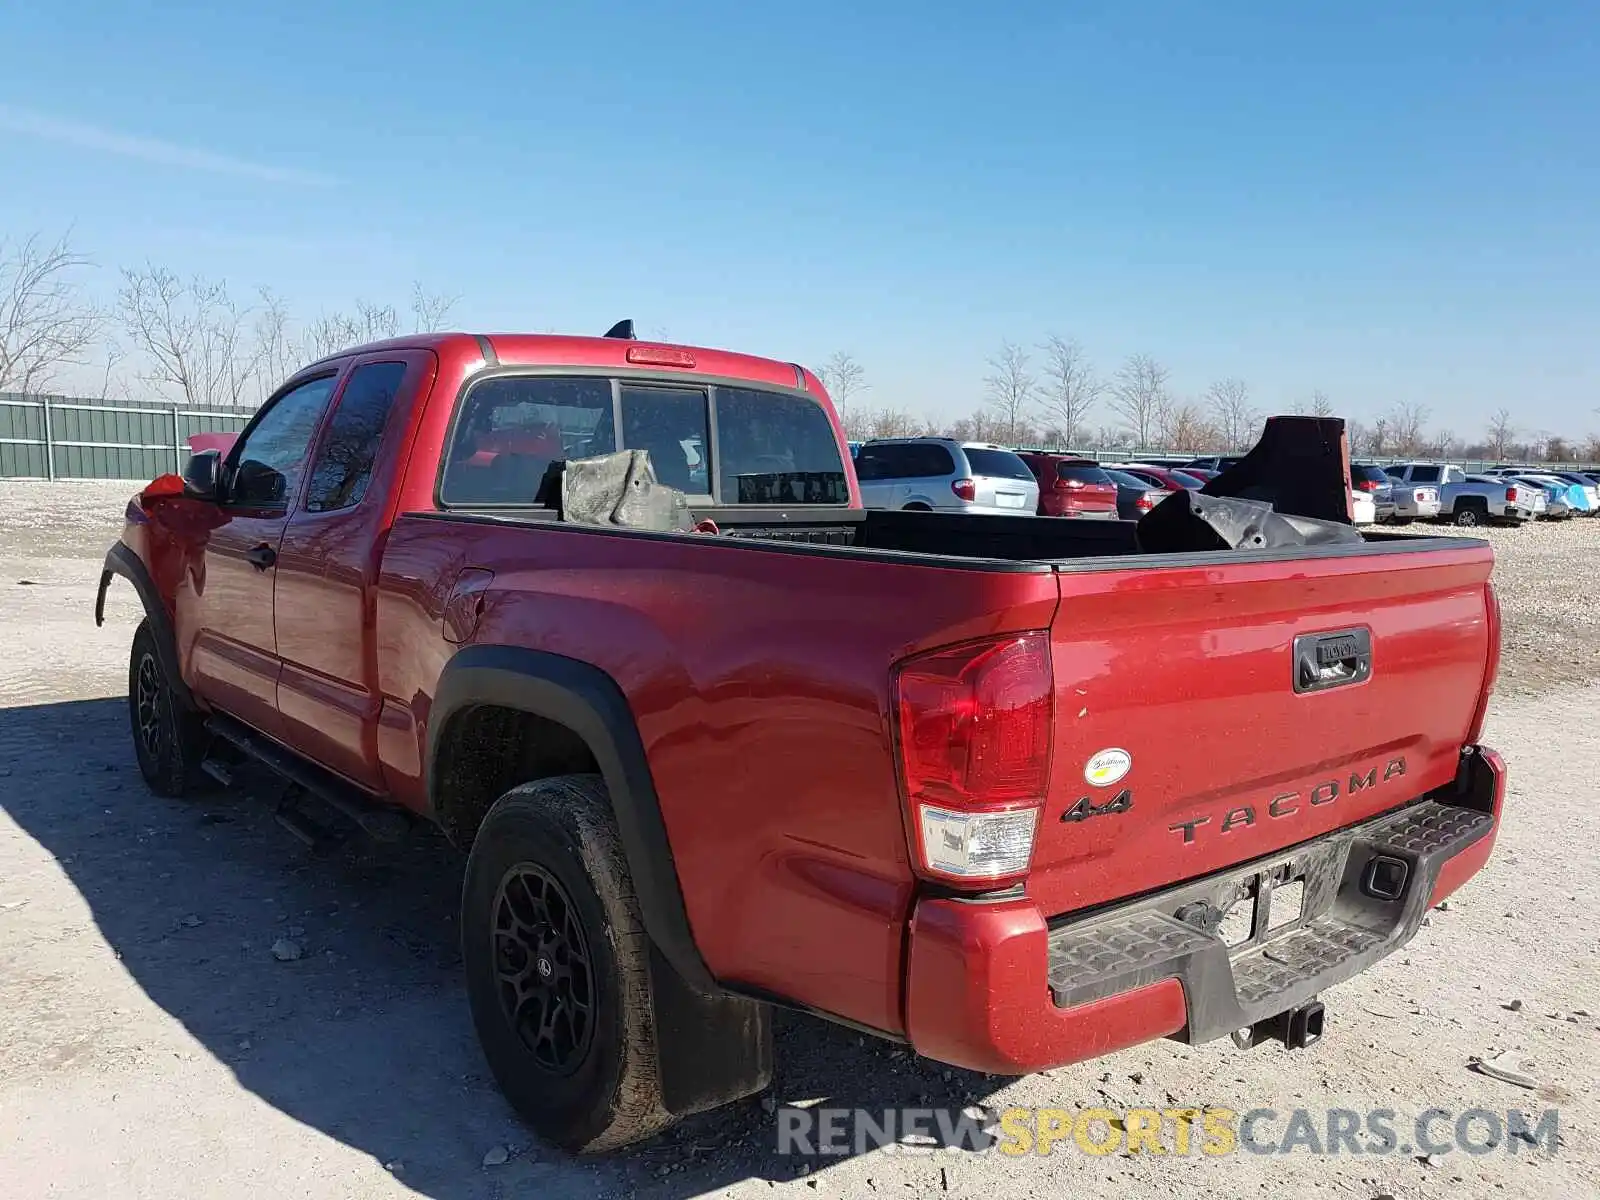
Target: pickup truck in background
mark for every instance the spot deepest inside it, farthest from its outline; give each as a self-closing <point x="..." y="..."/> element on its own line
<point x="1006" y="789"/>
<point x="1465" y="502"/>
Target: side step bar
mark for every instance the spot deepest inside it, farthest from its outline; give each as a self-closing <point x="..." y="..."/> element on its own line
<point x="380" y="822"/>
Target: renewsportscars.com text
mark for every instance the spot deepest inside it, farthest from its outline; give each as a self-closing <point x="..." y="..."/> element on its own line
<point x="1176" y="1131"/>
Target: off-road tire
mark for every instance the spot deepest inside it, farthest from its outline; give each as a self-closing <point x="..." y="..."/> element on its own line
<point x="562" y="830"/>
<point x="168" y="738"/>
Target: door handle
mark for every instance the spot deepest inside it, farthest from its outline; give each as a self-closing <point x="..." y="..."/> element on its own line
<point x="261" y="557"/>
<point x="1329" y="660"/>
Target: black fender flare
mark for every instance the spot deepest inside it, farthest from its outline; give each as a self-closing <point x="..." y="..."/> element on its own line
<point x="121" y="560"/>
<point x="588" y="701"/>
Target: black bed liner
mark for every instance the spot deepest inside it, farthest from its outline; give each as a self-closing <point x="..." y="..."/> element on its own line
<point x="952" y="541"/>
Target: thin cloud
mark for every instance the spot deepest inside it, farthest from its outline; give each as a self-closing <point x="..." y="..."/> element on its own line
<point x="149" y="150"/>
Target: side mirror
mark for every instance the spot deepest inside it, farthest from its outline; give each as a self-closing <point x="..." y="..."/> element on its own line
<point x="202" y="476"/>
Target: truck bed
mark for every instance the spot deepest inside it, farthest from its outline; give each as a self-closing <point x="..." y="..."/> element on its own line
<point x="759" y="666"/>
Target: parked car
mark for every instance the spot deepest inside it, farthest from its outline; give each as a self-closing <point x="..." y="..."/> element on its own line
<point x="892" y="768"/>
<point x="1585" y="480"/>
<point x="1135" y="496"/>
<point x="1550" y="496"/>
<point x="944" y="475"/>
<point x="1374" y="481"/>
<point x="1071" y="486"/>
<point x="1413" y="502"/>
<point x="1462" y="501"/>
<point x="1565" y="498"/>
<point x="1164" y="477"/>
<point x="1589" y="481"/>
<point x="1363" y="509"/>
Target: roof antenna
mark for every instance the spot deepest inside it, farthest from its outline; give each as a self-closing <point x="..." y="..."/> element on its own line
<point x="622" y="329"/>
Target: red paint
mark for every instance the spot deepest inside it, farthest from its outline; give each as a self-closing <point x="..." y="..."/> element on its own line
<point x="1470" y="861"/>
<point x="761" y="686"/>
<point x="1063" y="495"/>
<point x="977" y="995"/>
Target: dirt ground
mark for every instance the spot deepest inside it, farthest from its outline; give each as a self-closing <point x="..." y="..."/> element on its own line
<point x="152" y="1046"/>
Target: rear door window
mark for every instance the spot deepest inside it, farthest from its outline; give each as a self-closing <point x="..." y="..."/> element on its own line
<point x="1083" y="474"/>
<point x="996" y="464"/>
<point x="774" y="448"/>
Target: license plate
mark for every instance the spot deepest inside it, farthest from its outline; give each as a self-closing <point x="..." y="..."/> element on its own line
<point x="1010" y="499"/>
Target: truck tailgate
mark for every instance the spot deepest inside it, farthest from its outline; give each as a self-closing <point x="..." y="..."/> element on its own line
<point x="1190" y="672"/>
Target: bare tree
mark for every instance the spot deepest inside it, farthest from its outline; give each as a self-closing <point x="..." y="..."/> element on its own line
<point x="1235" y="418"/>
<point x="194" y="339"/>
<point x="843" y="377"/>
<point x="45" y="324"/>
<point x="1320" y="405"/>
<point x="429" y="309"/>
<point x="1139" y="397"/>
<point x="1069" y="390"/>
<point x="1009" y="391"/>
<point x="1407" y="425"/>
<point x="1501" y="433"/>
<point x="982" y="426"/>
<point x="1557" y="449"/>
<point x="1378" y="439"/>
<point x="332" y="332"/>
<point x="857" y="422"/>
<point x="1184" y="427"/>
<point x="893" y="423"/>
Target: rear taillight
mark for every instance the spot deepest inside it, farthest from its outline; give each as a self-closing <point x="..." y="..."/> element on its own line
<point x="964" y="489"/>
<point x="1511" y="495"/>
<point x="1144" y="503"/>
<point x="973" y="728"/>
<point x="1367" y="485"/>
<point x="1069" y="485"/>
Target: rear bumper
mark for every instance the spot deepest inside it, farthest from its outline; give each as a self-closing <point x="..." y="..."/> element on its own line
<point x="996" y="987"/>
<point x="1080" y="514"/>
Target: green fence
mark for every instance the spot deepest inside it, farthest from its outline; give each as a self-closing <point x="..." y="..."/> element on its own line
<point x="62" y="437"/>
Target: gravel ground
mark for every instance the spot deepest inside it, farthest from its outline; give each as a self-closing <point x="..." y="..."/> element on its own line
<point x="152" y="1045"/>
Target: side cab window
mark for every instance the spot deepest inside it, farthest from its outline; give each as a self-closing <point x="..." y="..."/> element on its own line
<point x="349" y="448"/>
<point x="267" y="465"/>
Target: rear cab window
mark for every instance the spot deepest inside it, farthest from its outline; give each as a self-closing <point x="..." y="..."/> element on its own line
<point x="1083" y="473"/>
<point x="1424" y="475"/>
<point x="719" y="444"/>
<point x="996" y="464"/>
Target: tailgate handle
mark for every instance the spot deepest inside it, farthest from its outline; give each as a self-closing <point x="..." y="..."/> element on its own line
<point x="1330" y="660"/>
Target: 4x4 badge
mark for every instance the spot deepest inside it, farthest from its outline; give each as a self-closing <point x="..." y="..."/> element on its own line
<point x="1084" y="809"/>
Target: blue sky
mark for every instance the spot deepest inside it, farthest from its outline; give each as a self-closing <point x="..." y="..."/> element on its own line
<point x="1387" y="205"/>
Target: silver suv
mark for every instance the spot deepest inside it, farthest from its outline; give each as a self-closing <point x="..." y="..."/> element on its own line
<point x="945" y="475"/>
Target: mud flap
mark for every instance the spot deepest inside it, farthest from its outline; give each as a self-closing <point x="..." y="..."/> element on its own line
<point x="713" y="1049"/>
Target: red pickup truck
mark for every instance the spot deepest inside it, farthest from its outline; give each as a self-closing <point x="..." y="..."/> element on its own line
<point x="1009" y="790"/>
